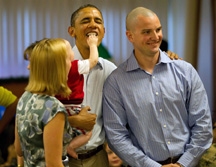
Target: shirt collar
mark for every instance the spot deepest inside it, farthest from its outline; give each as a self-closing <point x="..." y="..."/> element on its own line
<point x="133" y="64"/>
<point x="78" y="56"/>
<point x="164" y="58"/>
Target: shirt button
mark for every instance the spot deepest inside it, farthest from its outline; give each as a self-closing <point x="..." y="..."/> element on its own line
<point x="160" y="110"/>
<point x="164" y="126"/>
<point x="168" y="142"/>
<point x="156" y="93"/>
<point x="153" y="77"/>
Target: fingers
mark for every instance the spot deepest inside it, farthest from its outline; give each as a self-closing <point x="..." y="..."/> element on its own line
<point x="84" y="111"/>
<point x="170" y="165"/>
<point x="92" y="40"/>
<point x="89" y="133"/>
<point x="87" y="108"/>
<point x="169" y="52"/>
<point x="172" y="55"/>
<point x="92" y="36"/>
<point x="176" y="56"/>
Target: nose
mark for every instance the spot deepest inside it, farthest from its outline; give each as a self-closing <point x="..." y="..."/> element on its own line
<point x="114" y="155"/>
<point x="92" y="24"/>
<point x="155" y="35"/>
<point x="28" y="67"/>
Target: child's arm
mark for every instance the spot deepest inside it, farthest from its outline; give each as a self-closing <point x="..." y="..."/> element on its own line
<point x="93" y="57"/>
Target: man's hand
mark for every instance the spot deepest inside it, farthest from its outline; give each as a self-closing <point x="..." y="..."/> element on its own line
<point x="172" y="55"/>
<point x="83" y="120"/>
<point x="171" y="165"/>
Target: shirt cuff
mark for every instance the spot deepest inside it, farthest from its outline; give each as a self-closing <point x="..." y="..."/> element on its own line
<point x="186" y="159"/>
<point x="152" y="163"/>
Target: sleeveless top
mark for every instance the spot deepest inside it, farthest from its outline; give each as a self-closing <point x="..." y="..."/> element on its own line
<point x="34" y="112"/>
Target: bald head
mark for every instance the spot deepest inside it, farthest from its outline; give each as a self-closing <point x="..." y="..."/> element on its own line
<point x="132" y="16"/>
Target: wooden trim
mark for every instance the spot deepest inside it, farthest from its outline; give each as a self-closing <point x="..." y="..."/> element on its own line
<point x="12" y="80"/>
<point x="198" y="14"/>
<point x="213" y="4"/>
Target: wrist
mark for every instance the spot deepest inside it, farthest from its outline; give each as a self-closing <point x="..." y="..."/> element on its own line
<point x="20" y="165"/>
<point x="93" y="45"/>
<point x="73" y="120"/>
<point x="180" y="165"/>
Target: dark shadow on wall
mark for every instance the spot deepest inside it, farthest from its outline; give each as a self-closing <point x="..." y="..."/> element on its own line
<point x="164" y="45"/>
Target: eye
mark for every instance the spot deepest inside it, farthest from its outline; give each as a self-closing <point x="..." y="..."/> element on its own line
<point x="98" y="21"/>
<point x="109" y="152"/>
<point x="85" y="20"/>
<point x="146" y="32"/>
<point x="158" y="29"/>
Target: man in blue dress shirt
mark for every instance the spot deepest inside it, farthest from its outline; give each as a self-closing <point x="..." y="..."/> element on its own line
<point x="155" y="110"/>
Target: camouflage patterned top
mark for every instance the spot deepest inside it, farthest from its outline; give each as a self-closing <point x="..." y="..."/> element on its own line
<point x="34" y="112"/>
<point x="209" y="158"/>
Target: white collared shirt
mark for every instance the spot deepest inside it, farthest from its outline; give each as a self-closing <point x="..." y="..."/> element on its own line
<point x="93" y="90"/>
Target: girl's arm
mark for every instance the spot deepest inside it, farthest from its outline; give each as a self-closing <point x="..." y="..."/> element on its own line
<point x="17" y="141"/>
<point x="53" y="141"/>
<point x="20" y="161"/>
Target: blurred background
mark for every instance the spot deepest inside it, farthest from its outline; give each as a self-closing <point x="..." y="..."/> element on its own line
<point x="188" y="27"/>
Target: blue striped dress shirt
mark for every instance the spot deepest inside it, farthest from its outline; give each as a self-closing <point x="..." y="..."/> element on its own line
<point x="151" y="117"/>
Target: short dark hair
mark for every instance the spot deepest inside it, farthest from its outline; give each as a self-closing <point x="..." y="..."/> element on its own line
<point x="75" y="13"/>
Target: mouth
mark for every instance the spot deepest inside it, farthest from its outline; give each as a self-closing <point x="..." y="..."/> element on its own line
<point x="116" y="161"/>
<point x="153" y="43"/>
<point x="91" y="33"/>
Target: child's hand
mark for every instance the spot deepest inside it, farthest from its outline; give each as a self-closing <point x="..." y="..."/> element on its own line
<point x="92" y="39"/>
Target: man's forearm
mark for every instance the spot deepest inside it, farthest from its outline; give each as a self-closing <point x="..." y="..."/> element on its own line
<point x="83" y="120"/>
<point x="74" y="120"/>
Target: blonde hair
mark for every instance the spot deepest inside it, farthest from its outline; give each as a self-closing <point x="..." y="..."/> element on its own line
<point x="48" y="68"/>
<point x="29" y="49"/>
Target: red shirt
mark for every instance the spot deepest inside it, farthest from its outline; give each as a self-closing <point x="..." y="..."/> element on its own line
<point x="75" y="83"/>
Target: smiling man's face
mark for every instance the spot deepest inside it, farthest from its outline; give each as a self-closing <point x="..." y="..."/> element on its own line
<point x="89" y="20"/>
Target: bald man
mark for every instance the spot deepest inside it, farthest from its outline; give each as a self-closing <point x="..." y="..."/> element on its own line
<point x="155" y="110"/>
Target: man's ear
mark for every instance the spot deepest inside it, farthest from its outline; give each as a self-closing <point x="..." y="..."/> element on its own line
<point x="129" y="35"/>
<point x="104" y="32"/>
<point x="71" y="31"/>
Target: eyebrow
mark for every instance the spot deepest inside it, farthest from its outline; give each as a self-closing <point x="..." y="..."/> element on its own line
<point x="85" y="18"/>
<point x="98" y="18"/>
<point x="151" y="29"/>
<point x="88" y="18"/>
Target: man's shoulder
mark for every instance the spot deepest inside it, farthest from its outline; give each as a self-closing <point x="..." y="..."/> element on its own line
<point x="182" y="64"/>
<point x="106" y="64"/>
<point x="105" y="61"/>
<point x="119" y="71"/>
<point x="184" y="69"/>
